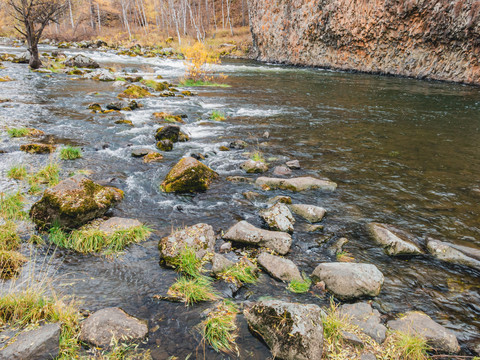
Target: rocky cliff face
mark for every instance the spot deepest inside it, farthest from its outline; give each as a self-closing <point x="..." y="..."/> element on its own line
<point x="435" y="39"/>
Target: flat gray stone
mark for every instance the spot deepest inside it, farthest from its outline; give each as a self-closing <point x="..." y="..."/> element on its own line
<point x="366" y="318"/>
<point x="352" y="338"/>
<point x="279" y="268"/>
<point x="220" y="263"/>
<point x="100" y="328"/>
<point x="296" y="184"/>
<point x="140" y="152"/>
<point x="419" y="324"/>
<point x="38" y="344"/>
<point x="246" y="233"/>
<point x="394" y="241"/>
<point x="350" y="280"/>
<point x="281" y="171"/>
<point x="278" y="217"/>
<point x="293" y="164"/>
<point x="446" y="252"/>
<point x="117" y="224"/>
<point x="292" y="331"/>
<point x="310" y="213"/>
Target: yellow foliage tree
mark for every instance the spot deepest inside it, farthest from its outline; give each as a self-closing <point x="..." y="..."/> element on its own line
<point x="198" y="59"/>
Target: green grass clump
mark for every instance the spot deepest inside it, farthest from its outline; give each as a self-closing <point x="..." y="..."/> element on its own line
<point x="32" y="306"/>
<point x="300" y="286"/>
<point x="188" y="263"/>
<point x="155" y="85"/>
<point x="10" y="263"/>
<point x="240" y="273"/>
<point x="192" y="83"/>
<point x="17" y="172"/>
<point x="70" y="153"/>
<point x="408" y="346"/>
<point x="193" y="290"/>
<point x="257" y="156"/>
<point x="120" y="79"/>
<point x="47" y="175"/>
<point x="18" y="132"/>
<point x="89" y="241"/>
<point x="217" y="116"/>
<point x="9" y="239"/>
<point x="219" y="329"/>
<point x="11" y="206"/>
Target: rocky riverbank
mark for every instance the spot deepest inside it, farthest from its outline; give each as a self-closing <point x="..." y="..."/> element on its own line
<point x="422" y="39"/>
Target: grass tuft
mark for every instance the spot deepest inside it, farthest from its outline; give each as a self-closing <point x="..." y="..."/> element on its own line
<point x="11" y="206"/>
<point x="188" y="263"/>
<point x="9" y="239"/>
<point x="217" y="116"/>
<point x="408" y="346"/>
<point x="10" y="263"/>
<point x="240" y="273"/>
<point x="18" y="132"/>
<point x="17" y="172"/>
<point x="70" y="153"/>
<point x="193" y="83"/>
<point x="48" y="175"/>
<point x="89" y="241"/>
<point x="219" y="329"/>
<point x="300" y="286"/>
<point x="193" y="290"/>
<point x="257" y="156"/>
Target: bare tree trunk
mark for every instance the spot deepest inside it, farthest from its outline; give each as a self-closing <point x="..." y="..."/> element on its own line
<point x="214" y="15"/>
<point x="223" y="17"/>
<point x="229" y="19"/>
<point x="99" y="18"/>
<point x="71" y="13"/>
<point x="125" y="19"/>
<point x="92" y="15"/>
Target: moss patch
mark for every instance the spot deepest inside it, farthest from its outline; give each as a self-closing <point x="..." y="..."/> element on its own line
<point x="188" y="175"/>
<point x="134" y="92"/>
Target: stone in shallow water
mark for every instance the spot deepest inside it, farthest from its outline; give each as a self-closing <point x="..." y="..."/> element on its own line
<point x="141" y="152"/>
<point x="188" y="175"/>
<point x="366" y="318"/>
<point x="281" y="171"/>
<point x="309" y="212"/>
<point x="394" y="241"/>
<point x="350" y="280"/>
<point x="292" y="331"/>
<point x="446" y="252"/>
<point x="41" y="343"/>
<point x="82" y="61"/>
<point x="296" y="184"/>
<point x="278" y="218"/>
<point x="220" y="263"/>
<point x="253" y="167"/>
<point x="420" y="324"/>
<point x="293" y="164"/>
<point x="74" y="202"/>
<point x="168" y="132"/>
<point x="38" y="148"/>
<point x="279" y="268"/>
<point x="246" y="233"/>
<point x="100" y="328"/>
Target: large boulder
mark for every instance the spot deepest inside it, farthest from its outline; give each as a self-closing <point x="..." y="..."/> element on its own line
<point x="366" y="318"/>
<point x="82" y="61"/>
<point x="38" y="344"/>
<point x="108" y="324"/>
<point x="296" y="184"/>
<point x="279" y="218"/>
<point x="188" y="175"/>
<point x="279" y="268"/>
<point x="446" y="252"/>
<point x="394" y="241"/>
<point x="310" y="213"/>
<point x="291" y="331"/>
<point x="246" y="233"/>
<point x="349" y="280"/>
<point x="419" y="324"/>
<point x="168" y="132"/>
<point x="199" y="237"/>
<point x="74" y="202"/>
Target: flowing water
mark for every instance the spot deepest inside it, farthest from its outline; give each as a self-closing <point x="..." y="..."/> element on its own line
<point x="403" y="152"/>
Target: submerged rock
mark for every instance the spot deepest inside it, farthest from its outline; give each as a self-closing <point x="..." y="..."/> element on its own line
<point x="199" y="237"/>
<point x="292" y="331"/>
<point x="38" y="148"/>
<point x="309" y="212"/>
<point x="278" y="217"/>
<point x="41" y="343"/>
<point x="246" y="233"/>
<point x="279" y="268"/>
<point x="296" y="184"/>
<point x="281" y="199"/>
<point x="349" y="280"/>
<point x="420" y="324"/>
<point x="188" y="175"/>
<point x="446" y="252"/>
<point x="394" y="241"/>
<point x="74" y="202"/>
<point x="366" y="318"/>
<point x="254" y="167"/>
<point x="100" y="328"/>
<point x="82" y="61"/>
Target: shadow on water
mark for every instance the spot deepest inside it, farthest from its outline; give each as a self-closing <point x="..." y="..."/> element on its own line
<point x="403" y="152"/>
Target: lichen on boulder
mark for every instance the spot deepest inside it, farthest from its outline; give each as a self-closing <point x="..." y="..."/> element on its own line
<point x="188" y="175"/>
<point x="74" y="202"/>
<point x="134" y="92"/>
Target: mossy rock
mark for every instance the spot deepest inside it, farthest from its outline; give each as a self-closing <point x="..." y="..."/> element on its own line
<point x="168" y="117"/>
<point x="38" y="148"/>
<point x="155" y="85"/>
<point x="187" y="93"/>
<point x="123" y="121"/>
<point x="152" y="157"/>
<point x="74" y="202"/>
<point x="75" y="72"/>
<point x="95" y="107"/>
<point x="188" y="175"/>
<point x="134" y="92"/>
<point x="168" y="132"/>
<point x="165" y="145"/>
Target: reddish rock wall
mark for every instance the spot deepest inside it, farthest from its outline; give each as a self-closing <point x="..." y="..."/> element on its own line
<point x="435" y="39"/>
